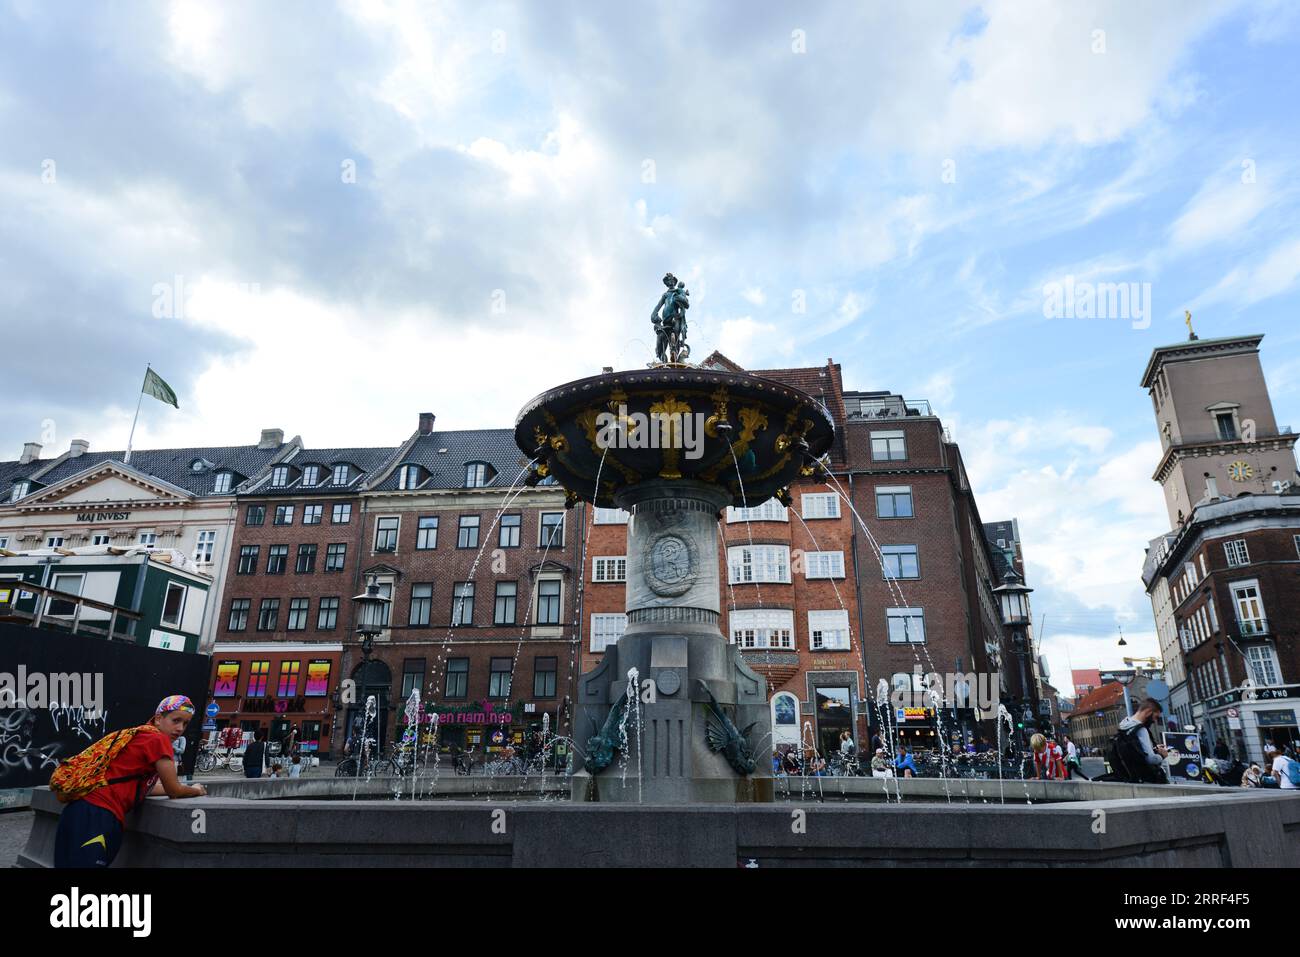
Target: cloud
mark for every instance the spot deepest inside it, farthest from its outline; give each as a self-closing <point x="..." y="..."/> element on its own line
<point x="1224" y="206"/>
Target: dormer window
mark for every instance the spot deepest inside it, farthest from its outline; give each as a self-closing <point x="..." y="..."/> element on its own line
<point x="342" y="475"/>
<point x="410" y="476"/>
<point x="20" y="489"/>
<point x="1226" y="427"/>
<point x="478" y="475"/>
<point x="311" y="475"/>
<point x="223" y="482"/>
<point x="280" y="476"/>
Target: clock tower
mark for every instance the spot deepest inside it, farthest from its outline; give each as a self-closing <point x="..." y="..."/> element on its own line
<point x="1218" y="436"/>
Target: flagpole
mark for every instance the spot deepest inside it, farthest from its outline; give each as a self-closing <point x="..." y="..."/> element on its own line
<point x="138" y="403"/>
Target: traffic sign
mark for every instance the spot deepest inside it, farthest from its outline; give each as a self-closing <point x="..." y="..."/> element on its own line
<point x="213" y="709"/>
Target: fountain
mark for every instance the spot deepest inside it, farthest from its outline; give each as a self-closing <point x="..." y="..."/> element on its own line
<point x="674" y="445"/>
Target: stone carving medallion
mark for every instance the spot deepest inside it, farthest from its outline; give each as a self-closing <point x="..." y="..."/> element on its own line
<point x="670" y="568"/>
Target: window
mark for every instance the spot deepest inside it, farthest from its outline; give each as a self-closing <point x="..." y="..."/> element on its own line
<point x="255" y="515"/>
<point x="203" y="548"/>
<point x="283" y="515"/>
<point x="905" y="625"/>
<point x="610" y="516"/>
<point x="336" y="557"/>
<point x="467" y="533"/>
<point x="828" y="630"/>
<point x="100" y="538"/>
<point x="769" y="511"/>
<point x="821" y="505"/>
<point x="268" y="615"/>
<point x="327" y="618"/>
<point x="276" y="558"/>
<point x="69" y="585"/>
<point x="499" y="678"/>
<point x="1227" y="428"/>
<point x="457" y="680"/>
<point x="341" y="514"/>
<point x="147" y="539"/>
<point x="1263" y="665"/>
<point x="508" y="537"/>
<point x="894" y="501"/>
<point x="306" y="560"/>
<point x="386" y="534"/>
<point x="280" y="476"/>
<point x="504" y="612"/>
<point x="1250" y="609"/>
<point x="552" y="530"/>
<point x="421" y="602"/>
<point x="759" y="563"/>
<point x="311" y="514"/>
<point x="298" y="610"/>
<point x="222" y="482"/>
<point x="259" y="672"/>
<point x="823" y="564"/>
<point x="477" y="475"/>
<point x="544" y="677"/>
<point x="56" y="541"/>
<point x="412" y="676"/>
<point x="311" y="475"/>
<point x="342" y="475"/>
<point x="1296" y="539"/>
<point x="1236" y="552"/>
<point x="462" y="604"/>
<point x="173" y="604"/>
<point x="238" y="620"/>
<point x="609" y="568"/>
<point x="888" y="446"/>
<point x="900" y="561"/>
<point x="548" y="601"/>
<point x="386" y="614"/>
<point x="19" y="490"/>
<point x="409" y="477"/>
<point x="426" y="532"/>
<point x="288" y="685"/>
<point x="763" y="628"/>
<point x="606" y="630"/>
<point x="247" y="559"/>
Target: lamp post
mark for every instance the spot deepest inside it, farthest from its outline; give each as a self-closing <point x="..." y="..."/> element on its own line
<point x="1013" y="599"/>
<point x="1124" y="682"/>
<point x="372" y="613"/>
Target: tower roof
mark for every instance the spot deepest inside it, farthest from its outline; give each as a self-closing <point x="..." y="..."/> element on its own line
<point x="1198" y="349"/>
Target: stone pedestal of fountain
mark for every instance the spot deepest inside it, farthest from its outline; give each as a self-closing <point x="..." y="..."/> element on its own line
<point x="673" y="714"/>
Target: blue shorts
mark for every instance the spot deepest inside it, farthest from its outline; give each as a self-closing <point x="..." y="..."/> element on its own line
<point x="88" y="836"/>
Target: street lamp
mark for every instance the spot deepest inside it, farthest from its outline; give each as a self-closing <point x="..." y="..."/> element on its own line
<point x="372" y="613"/>
<point x="1124" y="682"/>
<point x="1013" y="598"/>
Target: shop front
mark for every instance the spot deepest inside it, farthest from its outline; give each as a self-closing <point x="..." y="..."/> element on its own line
<point x="282" y="689"/>
<point x="916" y="728"/>
<point x="1253" y="720"/>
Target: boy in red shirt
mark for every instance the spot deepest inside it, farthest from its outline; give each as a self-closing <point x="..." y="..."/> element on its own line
<point x="90" y="829"/>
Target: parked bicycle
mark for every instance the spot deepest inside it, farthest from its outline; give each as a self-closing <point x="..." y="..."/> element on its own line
<point x="209" y="759"/>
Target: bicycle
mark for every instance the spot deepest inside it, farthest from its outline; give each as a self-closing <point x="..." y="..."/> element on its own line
<point x="210" y="759"/>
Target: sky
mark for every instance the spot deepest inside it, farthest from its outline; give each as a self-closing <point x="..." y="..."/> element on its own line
<point x="328" y="219"/>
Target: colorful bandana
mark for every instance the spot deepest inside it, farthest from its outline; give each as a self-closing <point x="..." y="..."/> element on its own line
<point x="175" y="702"/>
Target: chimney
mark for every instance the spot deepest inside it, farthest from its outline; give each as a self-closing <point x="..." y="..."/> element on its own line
<point x="31" y="452"/>
<point x="77" y="448"/>
<point x="426" y="423"/>
<point x="271" y="439"/>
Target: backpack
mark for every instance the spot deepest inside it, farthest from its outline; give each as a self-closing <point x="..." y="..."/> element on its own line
<point x="88" y="771"/>
<point x="1128" y="761"/>
<point x="1293" y="771"/>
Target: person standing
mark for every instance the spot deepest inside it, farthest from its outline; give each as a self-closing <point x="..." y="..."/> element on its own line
<point x="1281" y="767"/>
<point x="144" y="764"/>
<point x="255" y="755"/>
<point x="1073" y="765"/>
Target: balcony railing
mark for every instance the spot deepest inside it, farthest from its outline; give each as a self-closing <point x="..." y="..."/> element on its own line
<point x="891" y="407"/>
<point x="1252" y="627"/>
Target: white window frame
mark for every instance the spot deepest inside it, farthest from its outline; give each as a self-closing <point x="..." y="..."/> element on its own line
<point x="1235" y="588"/>
<point x="95" y="539"/>
<point x="147" y="539"/>
<point x="1264" y="667"/>
<point x="819" y="505"/>
<point x="769" y="511"/>
<point x="1237" y="553"/>
<point x="20" y="489"/>
<point x="823" y="565"/>
<point x="762" y="628"/>
<point x="205" y="545"/>
<point x="613" y="516"/>
<point x="280" y="476"/>
<point x="54" y="541"/>
<point x="311" y="475"/>
<point x="408" y="477"/>
<point x="889" y="438"/>
<point x="758" y="564"/>
<point x="476" y="475"/>
<point x="828" y="630"/>
<point x="609" y="568"/>
<point x="222" y="483"/>
<point x="911" y="615"/>
<point x="607" y="629"/>
<point x="340" y="475"/>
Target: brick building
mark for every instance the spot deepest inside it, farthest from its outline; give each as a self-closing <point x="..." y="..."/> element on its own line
<point x="1223" y="581"/>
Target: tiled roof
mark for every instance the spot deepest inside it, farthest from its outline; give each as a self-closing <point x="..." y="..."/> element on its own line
<point x="444" y="456"/>
<point x="171" y="465"/>
<point x="365" y="461"/>
<point x="1107" y="696"/>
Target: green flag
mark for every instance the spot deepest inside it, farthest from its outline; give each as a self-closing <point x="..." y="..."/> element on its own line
<point x="160" y="390"/>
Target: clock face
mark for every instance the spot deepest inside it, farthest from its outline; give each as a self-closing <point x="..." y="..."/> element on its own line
<point x="1239" y="471"/>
